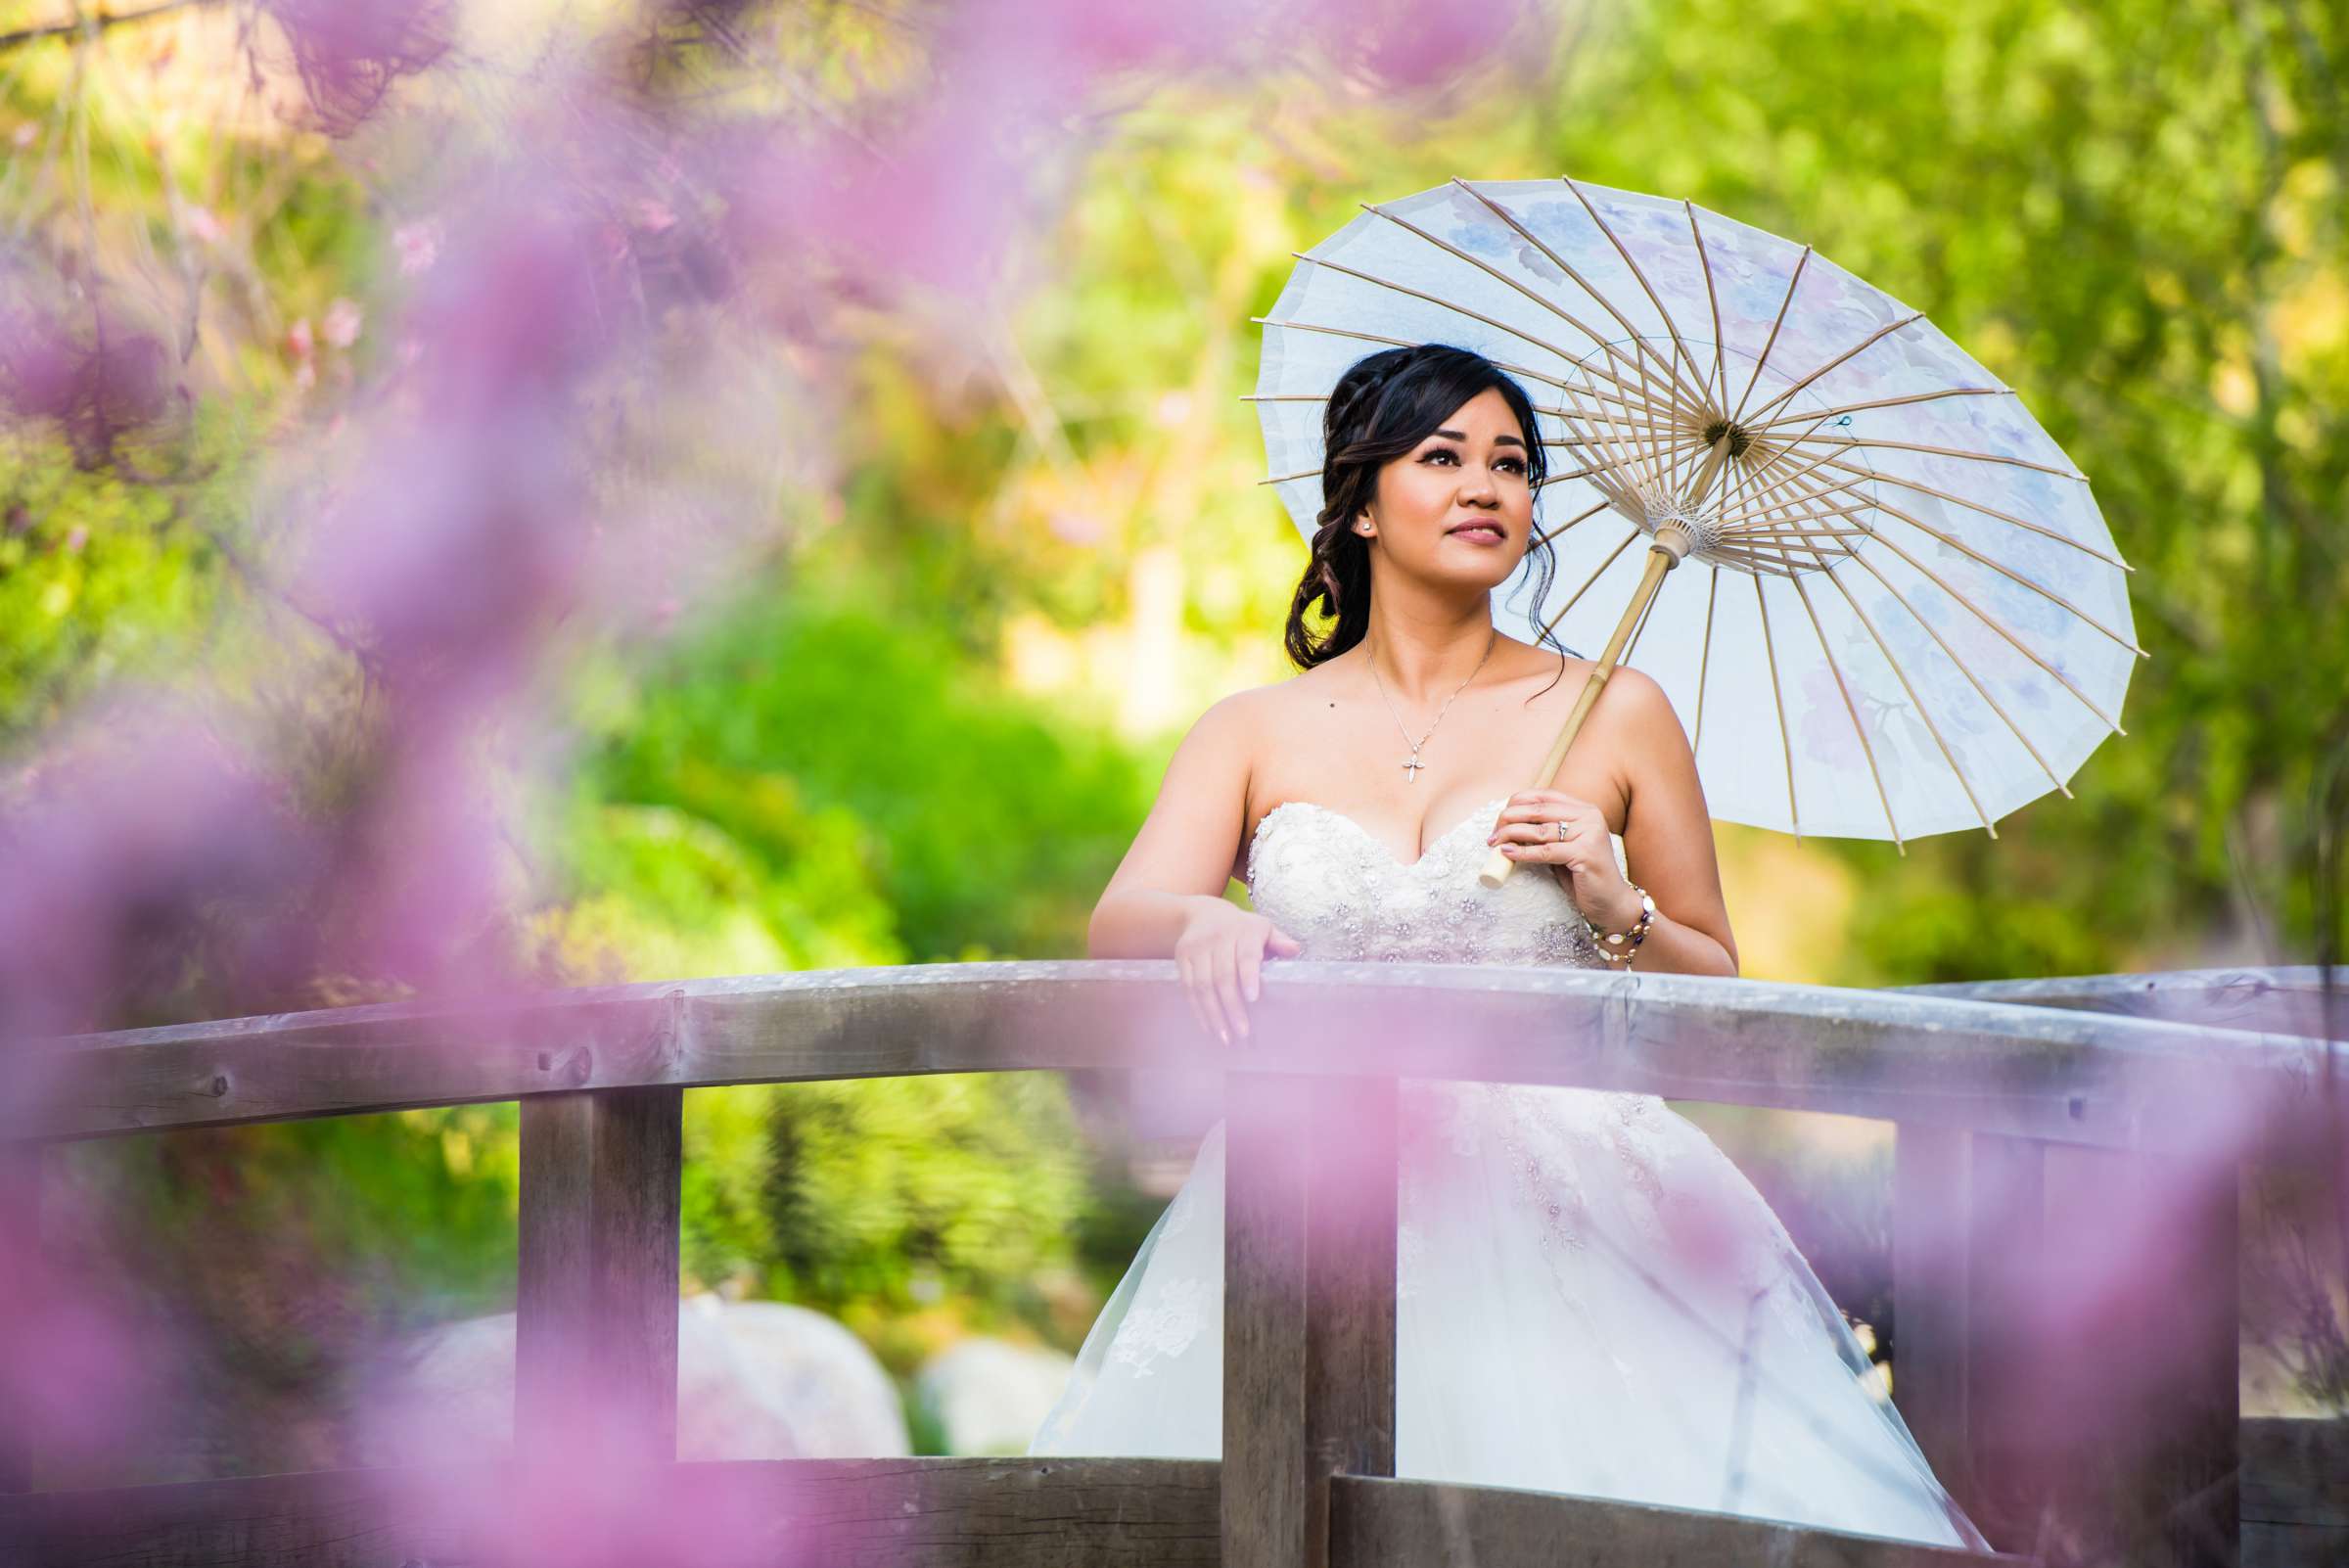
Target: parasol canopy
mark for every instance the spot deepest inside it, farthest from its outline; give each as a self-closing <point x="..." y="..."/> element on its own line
<point x="1905" y="614"/>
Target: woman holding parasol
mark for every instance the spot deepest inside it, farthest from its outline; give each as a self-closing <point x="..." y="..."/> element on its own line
<point x="1550" y="1331"/>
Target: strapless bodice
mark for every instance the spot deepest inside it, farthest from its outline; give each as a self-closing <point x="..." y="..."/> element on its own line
<point x="1319" y="876"/>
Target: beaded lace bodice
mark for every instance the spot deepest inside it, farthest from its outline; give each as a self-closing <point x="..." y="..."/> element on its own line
<point x="1321" y="877"/>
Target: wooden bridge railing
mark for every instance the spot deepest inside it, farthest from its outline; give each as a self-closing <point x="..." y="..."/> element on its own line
<point x="1988" y="1084"/>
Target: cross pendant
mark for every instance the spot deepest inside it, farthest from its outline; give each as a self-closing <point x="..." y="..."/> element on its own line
<point x="1410" y="768"/>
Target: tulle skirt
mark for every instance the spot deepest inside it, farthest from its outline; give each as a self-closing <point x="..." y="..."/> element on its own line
<point x="1591" y="1299"/>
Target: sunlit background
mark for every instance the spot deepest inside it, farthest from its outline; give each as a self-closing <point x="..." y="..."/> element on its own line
<point x="912" y="549"/>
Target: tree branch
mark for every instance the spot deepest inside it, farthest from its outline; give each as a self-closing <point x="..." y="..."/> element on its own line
<point x="96" y="21"/>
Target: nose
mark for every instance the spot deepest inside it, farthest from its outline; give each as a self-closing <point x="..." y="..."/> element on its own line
<point x="1476" y="487"/>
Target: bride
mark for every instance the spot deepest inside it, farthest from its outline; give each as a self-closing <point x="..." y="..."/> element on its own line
<point x="1549" y="1334"/>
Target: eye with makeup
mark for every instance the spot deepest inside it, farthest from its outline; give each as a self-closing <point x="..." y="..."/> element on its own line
<point x="1507" y="465"/>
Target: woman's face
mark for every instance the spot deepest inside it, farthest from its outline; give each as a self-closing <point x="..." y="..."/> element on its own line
<point x="1459" y="507"/>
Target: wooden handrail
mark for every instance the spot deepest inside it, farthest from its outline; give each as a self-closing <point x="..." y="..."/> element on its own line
<point x="1983" y="1080"/>
<point x="2287" y="999"/>
<point x="2055" y="1072"/>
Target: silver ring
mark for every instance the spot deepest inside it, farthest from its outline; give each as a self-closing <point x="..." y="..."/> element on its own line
<point x="1561" y="830"/>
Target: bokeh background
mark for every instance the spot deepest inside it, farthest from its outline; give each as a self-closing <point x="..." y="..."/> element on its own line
<point x="803" y="447"/>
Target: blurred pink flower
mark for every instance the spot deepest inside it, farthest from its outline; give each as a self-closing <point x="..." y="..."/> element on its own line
<point x="454" y="529"/>
<point x="343" y="322"/>
<point x="418" y="246"/>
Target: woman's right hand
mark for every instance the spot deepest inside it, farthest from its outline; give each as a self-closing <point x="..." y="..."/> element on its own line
<point x="1221" y="954"/>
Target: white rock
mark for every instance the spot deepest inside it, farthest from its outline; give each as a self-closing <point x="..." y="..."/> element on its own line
<point x="755" y="1380"/>
<point x="988" y="1396"/>
<point x="812" y="1378"/>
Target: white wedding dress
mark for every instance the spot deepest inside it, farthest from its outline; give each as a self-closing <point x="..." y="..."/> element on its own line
<point x="1591" y="1298"/>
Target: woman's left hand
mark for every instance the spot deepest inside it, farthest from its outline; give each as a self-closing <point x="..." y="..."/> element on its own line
<point x="1584" y="859"/>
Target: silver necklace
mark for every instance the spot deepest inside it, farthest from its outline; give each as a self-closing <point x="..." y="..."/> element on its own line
<point x="1411" y="765"/>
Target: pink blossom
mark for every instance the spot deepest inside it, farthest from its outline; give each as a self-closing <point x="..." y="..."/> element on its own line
<point x="342" y="321"/>
<point x="418" y="245"/>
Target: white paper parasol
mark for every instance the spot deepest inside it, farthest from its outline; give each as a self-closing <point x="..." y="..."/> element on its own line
<point x="1905" y="614"/>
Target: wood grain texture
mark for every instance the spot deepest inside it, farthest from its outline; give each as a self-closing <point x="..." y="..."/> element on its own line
<point x="2060" y="1074"/>
<point x="1308" y="1307"/>
<point x="1932" y="1351"/>
<point x="2145" y="1393"/>
<point x="1267" y="1481"/>
<point x="2014" y="1455"/>
<point x="23" y="1290"/>
<point x="2295" y="1493"/>
<point x="906" y="1513"/>
<point x="1036" y="1514"/>
<point x="595" y="1346"/>
<point x="1406" y="1524"/>
<point x="1352" y="1188"/>
<point x="2291" y="999"/>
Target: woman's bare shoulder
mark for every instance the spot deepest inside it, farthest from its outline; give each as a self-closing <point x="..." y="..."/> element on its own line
<point x="1557" y="679"/>
<point x="1640" y="700"/>
<point x="1269" y="703"/>
<point x="1247" y="725"/>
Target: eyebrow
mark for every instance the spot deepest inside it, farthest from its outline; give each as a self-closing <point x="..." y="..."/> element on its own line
<point x="1498" y="440"/>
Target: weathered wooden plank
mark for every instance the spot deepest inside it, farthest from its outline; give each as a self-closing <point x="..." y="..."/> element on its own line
<point x="1932" y="1351"/>
<point x="1412" y="1524"/>
<point x="2291" y="999"/>
<point x="1268" y="1469"/>
<point x="2102" y="1348"/>
<point x="22" y="1289"/>
<point x="2016" y="1451"/>
<point x="1308" y="1307"/>
<point x="1352" y="1190"/>
<point x="595" y="1348"/>
<point x="2143" y="1264"/>
<point x="2295" y="1493"/>
<point x="908" y="1513"/>
<point x="2060" y="1075"/>
<point x="1034" y="1513"/>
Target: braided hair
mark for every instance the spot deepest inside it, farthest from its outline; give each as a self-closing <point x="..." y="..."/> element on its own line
<point x="1382" y="408"/>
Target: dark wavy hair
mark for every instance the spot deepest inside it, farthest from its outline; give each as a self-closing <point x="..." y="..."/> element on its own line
<point x="1382" y="408"/>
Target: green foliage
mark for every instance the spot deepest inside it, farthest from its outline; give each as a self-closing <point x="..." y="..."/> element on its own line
<point x="660" y="893"/>
<point x="100" y="579"/>
<point x="2133" y="214"/>
<point x="803" y="784"/>
<point x="903" y="1192"/>
<point x="863" y="758"/>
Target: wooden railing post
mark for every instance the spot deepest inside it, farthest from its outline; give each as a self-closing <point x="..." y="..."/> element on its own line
<point x="1932" y="1268"/>
<point x="1308" y="1307"/>
<point x="20" y="1260"/>
<point x="595" y="1351"/>
<point x="1968" y="1260"/>
<point x="2059" y="1423"/>
<point x="2159" y="1370"/>
<point x="2004" y="1237"/>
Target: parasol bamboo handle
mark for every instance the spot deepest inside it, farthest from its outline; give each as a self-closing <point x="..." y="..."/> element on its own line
<point x="1673" y="540"/>
<point x="1662" y="557"/>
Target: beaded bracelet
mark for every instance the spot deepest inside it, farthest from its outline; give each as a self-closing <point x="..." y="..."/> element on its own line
<point x="1611" y="947"/>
